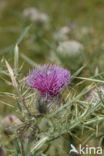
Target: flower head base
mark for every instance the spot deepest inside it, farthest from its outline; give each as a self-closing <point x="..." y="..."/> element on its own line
<point x="49" y="80"/>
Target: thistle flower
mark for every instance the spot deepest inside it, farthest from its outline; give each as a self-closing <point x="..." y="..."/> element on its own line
<point x="96" y="95"/>
<point x="49" y="80"/>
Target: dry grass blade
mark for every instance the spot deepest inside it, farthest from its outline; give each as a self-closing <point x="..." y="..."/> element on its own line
<point x="12" y="76"/>
<point x="16" y="58"/>
<point x="90" y="79"/>
<point x="7" y="104"/>
<point x="39" y="144"/>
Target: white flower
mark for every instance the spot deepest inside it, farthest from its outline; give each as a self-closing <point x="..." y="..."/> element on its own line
<point x="35" y="15"/>
<point x="70" y="48"/>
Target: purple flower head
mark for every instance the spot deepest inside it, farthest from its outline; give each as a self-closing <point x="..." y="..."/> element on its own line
<point x="49" y="80"/>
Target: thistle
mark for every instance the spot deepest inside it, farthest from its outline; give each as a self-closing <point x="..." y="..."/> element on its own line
<point x="49" y="80"/>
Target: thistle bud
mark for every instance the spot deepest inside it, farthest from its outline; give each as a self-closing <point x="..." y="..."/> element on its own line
<point x="9" y="124"/>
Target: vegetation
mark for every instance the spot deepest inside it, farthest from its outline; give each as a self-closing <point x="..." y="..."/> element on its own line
<point x="66" y="33"/>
